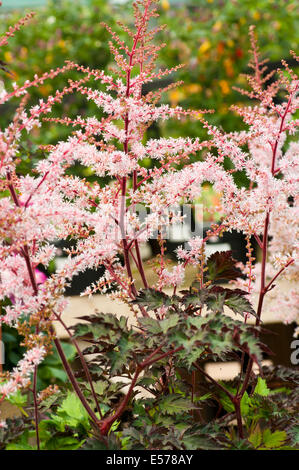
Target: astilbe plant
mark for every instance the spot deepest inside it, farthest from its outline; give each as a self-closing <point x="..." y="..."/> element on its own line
<point x="174" y="331"/>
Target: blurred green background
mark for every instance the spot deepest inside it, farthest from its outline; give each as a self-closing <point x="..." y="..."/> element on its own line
<point x="209" y="36"/>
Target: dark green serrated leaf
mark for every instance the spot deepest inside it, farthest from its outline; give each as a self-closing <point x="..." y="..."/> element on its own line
<point x="152" y="299"/>
<point x="172" y="404"/>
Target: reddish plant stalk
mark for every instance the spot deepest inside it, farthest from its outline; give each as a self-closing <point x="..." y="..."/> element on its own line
<point x="124" y="180"/>
<point x="83" y="362"/>
<point x="74" y="382"/>
<point x="106" y="423"/>
<point x="26" y="256"/>
<point x="1" y="367"/>
<point x="263" y="287"/>
<point x="30" y="270"/>
<point x="34" y="392"/>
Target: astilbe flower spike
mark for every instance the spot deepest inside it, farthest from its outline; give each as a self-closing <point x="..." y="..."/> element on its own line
<point x="19" y="276"/>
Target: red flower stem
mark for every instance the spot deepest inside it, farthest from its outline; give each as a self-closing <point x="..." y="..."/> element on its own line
<point x="12" y="190"/>
<point x="279" y="272"/>
<point x="72" y="378"/>
<point x="30" y="270"/>
<point x="126" y="148"/>
<point x="2" y="359"/>
<point x="106" y="423"/>
<point x="280" y="130"/>
<point x="74" y="382"/>
<point x="203" y="372"/>
<point x="258" y="240"/>
<point x="34" y="392"/>
<point x="237" y="405"/>
<point x="83" y="362"/>
<point x="37" y="187"/>
<point x="134" y="257"/>
<point x="118" y="280"/>
<point x="141" y="269"/>
<point x="263" y="287"/>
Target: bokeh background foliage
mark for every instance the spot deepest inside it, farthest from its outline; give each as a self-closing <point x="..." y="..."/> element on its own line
<point x="209" y="36"/>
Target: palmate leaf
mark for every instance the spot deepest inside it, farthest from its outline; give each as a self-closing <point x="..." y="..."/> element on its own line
<point x="121" y="355"/>
<point x="286" y="375"/>
<point x="216" y="298"/>
<point x="71" y="413"/>
<point x="273" y="440"/>
<point x="199" y="442"/>
<point x="174" y="404"/>
<point x="215" y="335"/>
<point x="152" y="299"/>
<point x="233" y="298"/>
<point x="208" y="437"/>
<point x="215" y="302"/>
<point x="170" y="322"/>
<point x="250" y="344"/>
<point x="111" y="443"/>
<point x="108" y="319"/>
<point x="238" y="335"/>
<point x="151" y="325"/>
<point x="256" y="438"/>
<point x="195" y="297"/>
<point x="221" y="266"/>
<point x="153" y="437"/>
<point x="104" y="327"/>
<point x="261" y="387"/>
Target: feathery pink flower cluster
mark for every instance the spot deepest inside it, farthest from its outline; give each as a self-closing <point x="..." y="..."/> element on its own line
<point x="20" y="376"/>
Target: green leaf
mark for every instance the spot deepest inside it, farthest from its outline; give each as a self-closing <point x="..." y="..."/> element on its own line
<point x="48" y="372"/>
<point x="53" y="359"/>
<point x="293" y="432"/>
<point x="15" y="446"/>
<point x="120" y="357"/>
<point x="169" y="322"/>
<point x="18" y="399"/>
<point x="215" y="302"/>
<point x="72" y="406"/>
<point x="274" y="439"/>
<point x="261" y="388"/>
<point x="22" y="443"/>
<point x="245" y="402"/>
<point x="112" y="441"/>
<point x="151" y="325"/>
<point x="172" y="404"/>
<point x="228" y="405"/>
<point x="152" y="299"/>
<point x="256" y="438"/>
<point x="239" y="304"/>
<point x="204" y="397"/>
<point x="63" y="443"/>
<point x="92" y="444"/>
<point x="106" y="328"/>
<point x="71" y="413"/>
